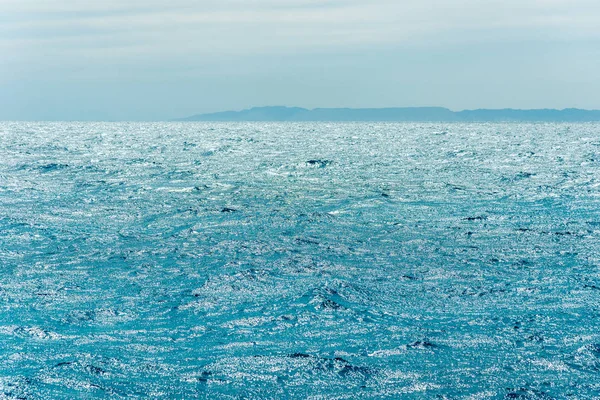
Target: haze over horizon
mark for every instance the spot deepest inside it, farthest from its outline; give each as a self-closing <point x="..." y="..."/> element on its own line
<point x="147" y="60"/>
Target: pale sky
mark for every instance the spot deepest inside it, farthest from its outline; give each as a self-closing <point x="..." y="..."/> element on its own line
<point x="155" y="60"/>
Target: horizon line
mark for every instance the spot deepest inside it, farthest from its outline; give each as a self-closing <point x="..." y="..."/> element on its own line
<point x="304" y="109"/>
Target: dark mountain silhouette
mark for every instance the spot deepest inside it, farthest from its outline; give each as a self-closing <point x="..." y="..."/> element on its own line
<point x="416" y="114"/>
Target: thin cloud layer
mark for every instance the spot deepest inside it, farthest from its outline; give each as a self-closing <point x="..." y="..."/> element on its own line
<point x="249" y="25"/>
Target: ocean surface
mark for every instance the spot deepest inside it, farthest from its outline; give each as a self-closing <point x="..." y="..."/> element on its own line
<point x="299" y="260"/>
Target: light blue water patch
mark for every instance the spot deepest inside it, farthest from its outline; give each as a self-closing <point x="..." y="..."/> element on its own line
<point x="299" y="260"/>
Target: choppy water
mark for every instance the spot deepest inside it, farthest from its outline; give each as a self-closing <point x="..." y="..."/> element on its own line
<point x="301" y="260"/>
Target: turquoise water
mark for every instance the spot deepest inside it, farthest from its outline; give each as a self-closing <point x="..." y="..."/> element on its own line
<point x="299" y="260"/>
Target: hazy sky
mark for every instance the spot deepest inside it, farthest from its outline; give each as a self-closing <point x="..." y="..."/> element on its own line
<point x="150" y="59"/>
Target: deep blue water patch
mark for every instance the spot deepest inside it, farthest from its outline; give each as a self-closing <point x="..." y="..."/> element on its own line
<point x="299" y="260"/>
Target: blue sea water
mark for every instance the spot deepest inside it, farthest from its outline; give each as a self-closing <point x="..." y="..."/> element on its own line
<point x="299" y="260"/>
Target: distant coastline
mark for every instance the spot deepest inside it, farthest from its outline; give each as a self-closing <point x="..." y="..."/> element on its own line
<point x="407" y="114"/>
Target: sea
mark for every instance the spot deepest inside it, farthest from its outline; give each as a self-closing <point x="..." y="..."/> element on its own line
<point x="299" y="260"/>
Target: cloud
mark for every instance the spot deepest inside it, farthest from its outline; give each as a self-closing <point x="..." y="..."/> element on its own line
<point x="110" y="32"/>
<point x="236" y="25"/>
<point x="42" y="34"/>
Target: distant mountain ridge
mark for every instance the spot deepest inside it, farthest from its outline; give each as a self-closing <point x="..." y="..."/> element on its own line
<point x="407" y="114"/>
